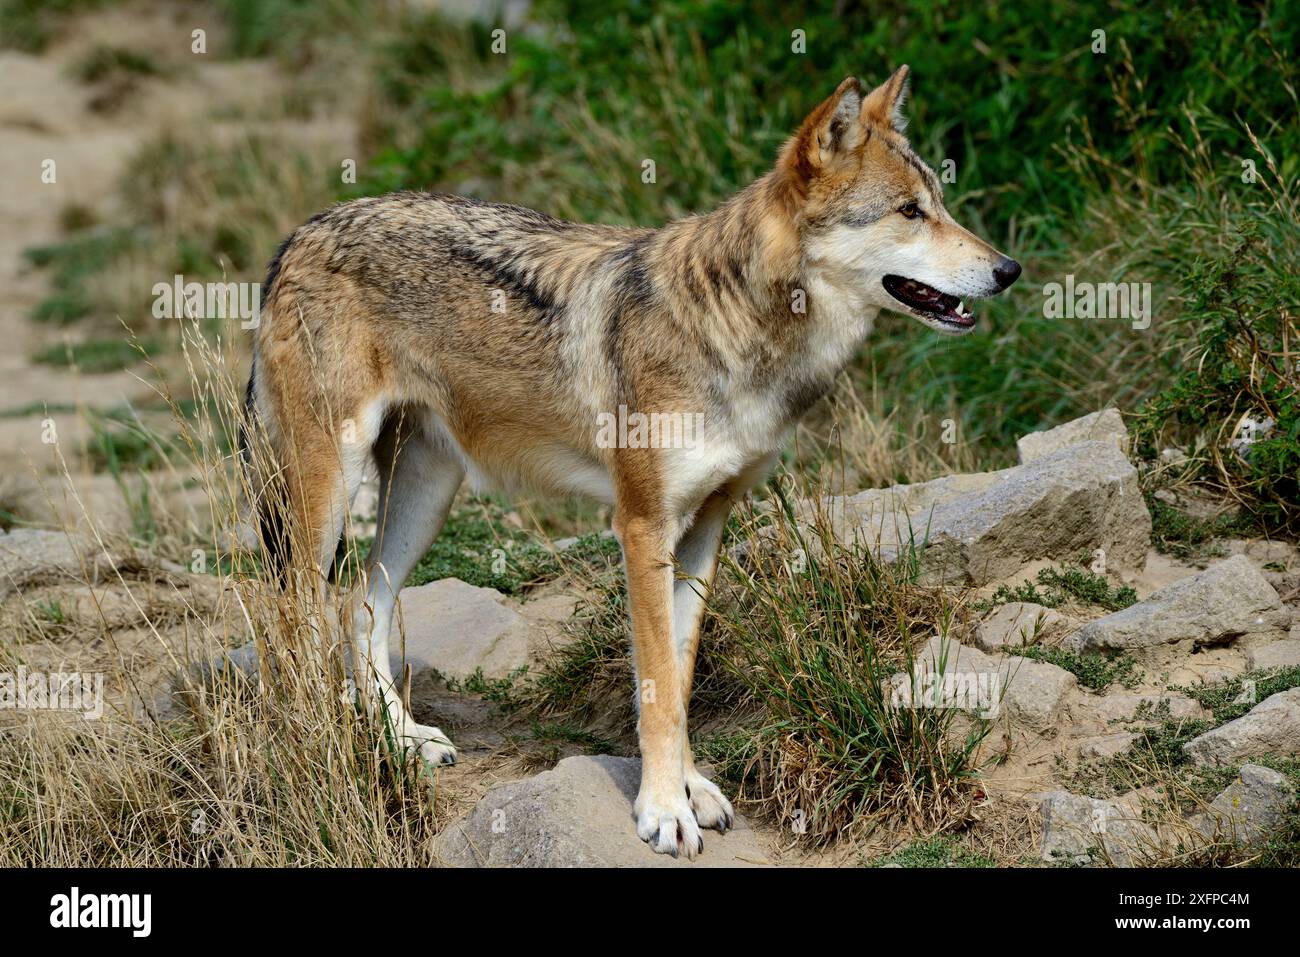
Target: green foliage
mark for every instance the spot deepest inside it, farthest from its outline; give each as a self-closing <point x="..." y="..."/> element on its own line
<point x="29" y="25"/>
<point x="1093" y="671"/>
<point x="935" y="852"/>
<point x="1222" y="699"/>
<point x="1189" y="538"/>
<point x="1062" y="585"/>
<point x="97" y="355"/>
<point x="104" y="62"/>
<point x="71" y="262"/>
<point x="1240" y="318"/>
<point x="477" y="546"/>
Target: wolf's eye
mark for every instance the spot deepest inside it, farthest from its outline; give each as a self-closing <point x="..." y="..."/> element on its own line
<point x="911" y="210"/>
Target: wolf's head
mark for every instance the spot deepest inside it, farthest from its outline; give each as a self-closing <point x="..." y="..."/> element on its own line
<point x="871" y="214"/>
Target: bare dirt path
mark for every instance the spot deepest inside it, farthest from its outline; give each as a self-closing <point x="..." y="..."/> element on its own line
<point x="50" y="115"/>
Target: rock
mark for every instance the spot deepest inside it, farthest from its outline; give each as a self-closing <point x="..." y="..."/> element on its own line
<point x="33" y="556"/>
<point x="1104" y="426"/>
<point x="578" y="814"/>
<point x="1277" y="654"/>
<point x="1085" y="830"/>
<point x="1249" y="808"/>
<point x="1015" y="624"/>
<point x="1147" y="707"/>
<point x="981" y="528"/>
<point x="1271" y="727"/>
<point x="547" y="616"/>
<point x="1033" y="691"/>
<point x="457" y="629"/>
<point x="1227" y="601"/>
<point x="1106" y="745"/>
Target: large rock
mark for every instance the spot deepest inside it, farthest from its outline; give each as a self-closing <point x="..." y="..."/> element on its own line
<point x="1271" y="727"/>
<point x="1276" y="654"/>
<point x="1032" y="691"/>
<point x="1227" y="601"/>
<point x="1016" y="624"/>
<point x="457" y="629"/>
<point x="1104" y="426"/>
<point x="981" y="528"/>
<point x="578" y="814"/>
<point x="1249" y="808"/>
<point x="1083" y="830"/>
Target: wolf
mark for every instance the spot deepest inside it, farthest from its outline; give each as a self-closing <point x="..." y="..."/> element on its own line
<point x="435" y="337"/>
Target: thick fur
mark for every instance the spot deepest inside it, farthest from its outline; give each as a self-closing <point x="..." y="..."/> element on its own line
<point x="442" y="336"/>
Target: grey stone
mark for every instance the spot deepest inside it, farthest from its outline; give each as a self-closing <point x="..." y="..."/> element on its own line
<point x="1104" y="426"/>
<point x="1277" y="654"/>
<point x="1086" y="830"/>
<point x="1249" y="808"/>
<point x="458" y="628"/>
<point x="985" y="527"/>
<point x="1015" y="624"/>
<point x="1227" y="601"/>
<point x="1033" y="692"/>
<point x="578" y="814"/>
<point x="1271" y="727"/>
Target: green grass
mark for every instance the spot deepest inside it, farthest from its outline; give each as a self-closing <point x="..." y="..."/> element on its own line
<point x="97" y="355"/>
<point x="934" y="852"/>
<point x="104" y="62"/>
<point x="477" y="546"/>
<point x="29" y="25"/>
<point x="1221" y="698"/>
<point x="1054" y="587"/>
<point x="72" y="262"/>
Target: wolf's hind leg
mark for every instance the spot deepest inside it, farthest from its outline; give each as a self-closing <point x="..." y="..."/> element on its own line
<point x="418" y="479"/>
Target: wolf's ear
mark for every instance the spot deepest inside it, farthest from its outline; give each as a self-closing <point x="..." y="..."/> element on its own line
<point x="829" y="132"/>
<point x="884" y="104"/>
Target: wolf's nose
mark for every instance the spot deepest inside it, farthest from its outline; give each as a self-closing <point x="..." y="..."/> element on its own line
<point x="1006" y="272"/>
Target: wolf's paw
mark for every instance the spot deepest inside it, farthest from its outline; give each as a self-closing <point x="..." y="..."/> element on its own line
<point x="711" y="808"/>
<point x="432" y="744"/>
<point x="669" y="827"/>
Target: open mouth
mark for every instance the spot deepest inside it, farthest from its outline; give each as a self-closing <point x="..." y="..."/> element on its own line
<point x="929" y="303"/>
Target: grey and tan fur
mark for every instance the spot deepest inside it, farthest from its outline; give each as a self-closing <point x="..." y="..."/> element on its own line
<point x="442" y="336"/>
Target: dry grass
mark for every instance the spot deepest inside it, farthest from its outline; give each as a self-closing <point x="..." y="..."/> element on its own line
<point x="285" y="770"/>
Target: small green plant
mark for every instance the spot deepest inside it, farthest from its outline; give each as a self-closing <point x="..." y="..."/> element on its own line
<point x="1060" y="586"/>
<point x="49" y="610"/>
<point x="935" y="852"/>
<point x="500" y="691"/>
<point x="1097" y="672"/>
<point x="1174" y="532"/>
<point x="1234" y="697"/>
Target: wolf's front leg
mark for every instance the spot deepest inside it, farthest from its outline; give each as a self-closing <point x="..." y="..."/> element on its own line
<point x="663" y="812"/>
<point x="697" y="563"/>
